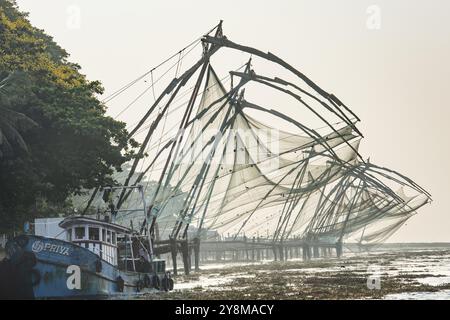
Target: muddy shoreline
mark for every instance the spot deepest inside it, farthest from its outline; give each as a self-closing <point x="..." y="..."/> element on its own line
<point x="401" y="275"/>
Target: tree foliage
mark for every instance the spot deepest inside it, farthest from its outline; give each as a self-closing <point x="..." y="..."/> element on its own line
<point x="72" y="145"/>
<point x="12" y="123"/>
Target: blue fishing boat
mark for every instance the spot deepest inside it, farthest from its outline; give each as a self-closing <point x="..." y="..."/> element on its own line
<point x="98" y="259"/>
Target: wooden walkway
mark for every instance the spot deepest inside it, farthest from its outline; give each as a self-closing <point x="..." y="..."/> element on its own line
<point x="245" y="249"/>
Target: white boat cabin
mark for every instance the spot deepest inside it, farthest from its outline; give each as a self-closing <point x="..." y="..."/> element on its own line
<point x="98" y="236"/>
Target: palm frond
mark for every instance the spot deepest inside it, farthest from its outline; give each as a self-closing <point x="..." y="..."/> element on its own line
<point x="12" y="123"/>
<point x="3" y="83"/>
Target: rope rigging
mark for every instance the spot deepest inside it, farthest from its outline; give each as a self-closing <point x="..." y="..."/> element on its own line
<point x="321" y="189"/>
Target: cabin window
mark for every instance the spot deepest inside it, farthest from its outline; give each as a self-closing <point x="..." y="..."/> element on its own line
<point x="69" y="234"/>
<point x="162" y="266"/>
<point x="103" y="234"/>
<point x="108" y="236"/>
<point x="94" y="234"/>
<point x="114" y="238"/>
<point x="79" y="232"/>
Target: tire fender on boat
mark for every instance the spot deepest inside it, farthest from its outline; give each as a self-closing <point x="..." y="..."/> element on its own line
<point x="156" y="282"/>
<point x="147" y="281"/>
<point x="165" y="283"/>
<point x="120" y="284"/>
<point x="139" y="285"/>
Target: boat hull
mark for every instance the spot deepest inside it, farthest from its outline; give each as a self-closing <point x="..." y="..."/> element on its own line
<point x="40" y="268"/>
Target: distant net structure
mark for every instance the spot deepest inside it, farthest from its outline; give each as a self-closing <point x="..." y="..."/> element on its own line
<point x="256" y="154"/>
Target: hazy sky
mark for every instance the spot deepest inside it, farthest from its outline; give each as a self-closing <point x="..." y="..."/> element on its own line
<point x="387" y="60"/>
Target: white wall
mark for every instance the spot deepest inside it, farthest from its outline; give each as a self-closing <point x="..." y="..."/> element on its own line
<point x="48" y="227"/>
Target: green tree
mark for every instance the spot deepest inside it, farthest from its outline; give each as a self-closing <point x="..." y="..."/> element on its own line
<point x="73" y="144"/>
<point x="12" y="123"/>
